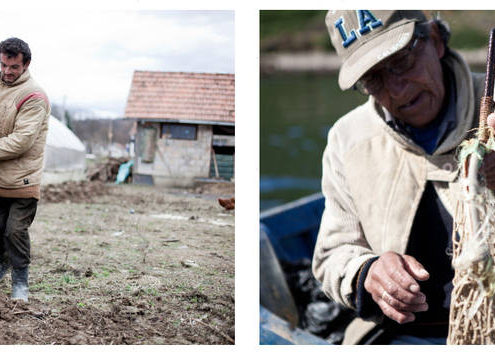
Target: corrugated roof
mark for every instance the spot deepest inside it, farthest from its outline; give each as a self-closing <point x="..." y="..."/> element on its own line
<point x="182" y="96"/>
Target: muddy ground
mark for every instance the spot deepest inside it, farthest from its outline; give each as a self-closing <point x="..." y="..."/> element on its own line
<point x="127" y="265"/>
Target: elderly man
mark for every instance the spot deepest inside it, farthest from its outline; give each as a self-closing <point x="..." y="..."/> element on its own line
<point x="390" y="176"/>
<point x="24" y="113"/>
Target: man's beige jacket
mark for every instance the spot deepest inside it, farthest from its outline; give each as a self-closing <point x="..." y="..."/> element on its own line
<point x="24" y="113"/>
<point x="373" y="180"/>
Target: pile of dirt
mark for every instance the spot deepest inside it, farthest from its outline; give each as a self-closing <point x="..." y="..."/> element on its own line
<point x="106" y="170"/>
<point x="226" y="189"/>
<point x="89" y="191"/>
<point x="128" y="321"/>
<point x="72" y="191"/>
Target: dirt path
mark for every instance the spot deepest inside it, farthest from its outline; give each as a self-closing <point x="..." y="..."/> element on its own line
<point x="129" y="265"/>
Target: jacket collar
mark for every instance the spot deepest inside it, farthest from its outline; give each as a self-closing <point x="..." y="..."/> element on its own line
<point x="20" y="80"/>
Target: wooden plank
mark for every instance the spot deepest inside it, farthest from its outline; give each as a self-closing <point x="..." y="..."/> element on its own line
<point x="215" y="163"/>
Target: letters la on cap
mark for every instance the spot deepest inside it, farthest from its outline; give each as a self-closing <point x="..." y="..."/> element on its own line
<point x="363" y="38"/>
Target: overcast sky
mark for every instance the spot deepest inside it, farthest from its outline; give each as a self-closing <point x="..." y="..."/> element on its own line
<point x="89" y="56"/>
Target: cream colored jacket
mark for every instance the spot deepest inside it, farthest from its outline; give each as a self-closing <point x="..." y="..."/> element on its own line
<point x="373" y="180"/>
<point x="24" y="113"/>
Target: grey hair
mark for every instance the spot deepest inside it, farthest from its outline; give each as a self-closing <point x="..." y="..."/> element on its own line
<point x="443" y="28"/>
<point x="422" y="28"/>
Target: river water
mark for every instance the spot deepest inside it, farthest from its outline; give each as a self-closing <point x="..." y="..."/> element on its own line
<point x="296" y="113"/>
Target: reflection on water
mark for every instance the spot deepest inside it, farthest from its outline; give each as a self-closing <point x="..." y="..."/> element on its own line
<point x="271" y="184"/>
<point x="281" y="189"/>
<point x="296" y="112"/>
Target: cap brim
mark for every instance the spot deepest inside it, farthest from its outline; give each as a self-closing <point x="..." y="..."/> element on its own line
<point x="373" y="52"/>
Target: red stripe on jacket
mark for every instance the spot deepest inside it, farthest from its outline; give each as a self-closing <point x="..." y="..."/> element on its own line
<point x="29" y="96"/>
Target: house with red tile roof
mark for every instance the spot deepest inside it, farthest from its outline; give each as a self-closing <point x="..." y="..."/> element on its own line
<point x="185" y="126"/>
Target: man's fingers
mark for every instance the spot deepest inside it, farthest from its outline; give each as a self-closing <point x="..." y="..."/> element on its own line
<point x="415" y="269"/>
<point x="389" y="273"/>
<point x="396" y="315"/>
<point x="392" y="283"/>
<point x="400" y="293"/>
<point x="402" y="306"/>
<point x="400" y="275"/>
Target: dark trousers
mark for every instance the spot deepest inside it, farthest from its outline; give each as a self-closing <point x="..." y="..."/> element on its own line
<point x="16" y="215"/>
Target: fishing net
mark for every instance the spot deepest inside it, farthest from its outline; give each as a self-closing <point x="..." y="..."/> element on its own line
<point x="472" y="311"/>
<point x="472" y="316"/>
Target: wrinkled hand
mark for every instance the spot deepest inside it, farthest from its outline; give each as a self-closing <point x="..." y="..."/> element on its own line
<point x="392" y="283"/>
<point x="488" y="166"/>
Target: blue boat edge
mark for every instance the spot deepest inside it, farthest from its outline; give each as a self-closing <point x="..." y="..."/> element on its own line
<point x="287" y="233"/>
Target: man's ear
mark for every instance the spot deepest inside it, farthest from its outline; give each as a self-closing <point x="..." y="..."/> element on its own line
<point x="27" y="64"/>
<point x="437" y="40"/>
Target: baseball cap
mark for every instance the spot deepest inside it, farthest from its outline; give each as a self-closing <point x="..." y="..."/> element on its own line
<point x="363" y="38"/>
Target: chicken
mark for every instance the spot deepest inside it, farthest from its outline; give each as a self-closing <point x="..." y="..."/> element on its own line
<point x="228" y="203"/>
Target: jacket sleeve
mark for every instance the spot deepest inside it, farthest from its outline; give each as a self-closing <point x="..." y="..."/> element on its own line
<point x="341" y="248"/>
<point x="26" y="129"/>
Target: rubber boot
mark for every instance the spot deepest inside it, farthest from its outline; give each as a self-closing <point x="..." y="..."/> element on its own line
<point x="20" y="289"/>
<point x="4" y="267"/>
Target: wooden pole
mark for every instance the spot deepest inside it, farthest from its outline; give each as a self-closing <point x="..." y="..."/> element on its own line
<point x="486" y="106"/>
<point x="217" y="175"/>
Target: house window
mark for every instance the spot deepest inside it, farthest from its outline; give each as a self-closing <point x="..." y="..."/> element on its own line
<point x="223" y="130"/>
<point x="179" y="131"/>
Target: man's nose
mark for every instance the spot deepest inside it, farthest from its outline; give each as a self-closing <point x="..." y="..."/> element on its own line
<point x="396" y="84"/>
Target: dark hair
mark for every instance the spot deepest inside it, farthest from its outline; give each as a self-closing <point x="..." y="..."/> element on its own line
<point x="13" y="46"/>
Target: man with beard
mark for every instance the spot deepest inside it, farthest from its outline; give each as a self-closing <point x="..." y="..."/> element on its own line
<point x="24" y="113"/>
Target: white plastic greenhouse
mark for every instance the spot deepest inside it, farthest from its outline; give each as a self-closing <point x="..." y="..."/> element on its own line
<point x="64" y="154"/>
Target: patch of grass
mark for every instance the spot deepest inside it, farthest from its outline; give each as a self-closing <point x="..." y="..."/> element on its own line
<point x="108" y="269"/>
<point x="181" y="287"/>
<point x="200" y="288"/>
<point x="43" y="288"/>
<point x="224" y="310"/>
<point x="151" y="291"/>
<point x="69" y="279"/>
<point x="102" y="274"/>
